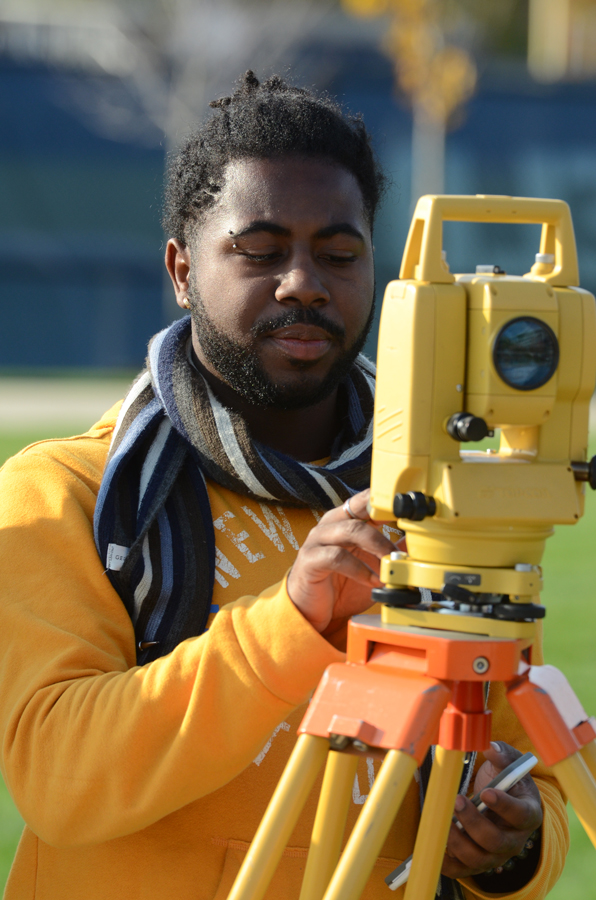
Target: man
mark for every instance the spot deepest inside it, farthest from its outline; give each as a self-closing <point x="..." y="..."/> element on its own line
<point x="169" y="606"/>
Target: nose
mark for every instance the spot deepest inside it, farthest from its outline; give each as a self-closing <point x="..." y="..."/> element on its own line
<point x="301" y="283"/>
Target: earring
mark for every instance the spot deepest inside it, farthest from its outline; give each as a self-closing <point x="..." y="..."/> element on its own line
<point x="186" y="303"/>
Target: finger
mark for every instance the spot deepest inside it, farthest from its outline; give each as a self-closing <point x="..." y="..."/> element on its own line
<point x="497" y="837"/>
<point x="522" y="812"/>
<point x="464" y="857"/>
<point x="322" y="561"/>
<point x="454" y="868"/>
<point x="498" y="757"/>
<point x="351" y="534"/>
<point x="501" y="754"/>
<point x="481" y="836"/>
<point x="485" y="774"/>
<point x="373" y="562"/>
<point x="401" y="544"/>
<point x="358" y="507"/>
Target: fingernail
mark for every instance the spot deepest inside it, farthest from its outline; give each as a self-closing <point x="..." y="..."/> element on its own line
<point x="460" y="803"/>
<point x="496" y="746"/>
<point x="489" y="797"/>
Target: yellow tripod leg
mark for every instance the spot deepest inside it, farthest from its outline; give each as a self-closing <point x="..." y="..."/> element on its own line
<point x="330" y="823"/>
<point x="576" y="781"/>
<point x="280" y="818"/>
<point x="370" y="831"/>
<point x="589" y="757"/>
<point x="433" y="831"/>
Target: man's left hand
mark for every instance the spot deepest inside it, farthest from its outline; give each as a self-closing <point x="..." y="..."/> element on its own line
<point x="492" y="837"/>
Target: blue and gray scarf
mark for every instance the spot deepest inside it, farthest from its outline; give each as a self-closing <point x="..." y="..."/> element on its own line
<point x="153" y="523"/>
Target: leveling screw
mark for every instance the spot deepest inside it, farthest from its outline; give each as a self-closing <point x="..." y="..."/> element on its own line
<point x="338" y="741"/>
<point x="480" y="665"/>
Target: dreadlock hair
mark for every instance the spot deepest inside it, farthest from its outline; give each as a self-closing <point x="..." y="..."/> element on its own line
<point x="263" y="120"/>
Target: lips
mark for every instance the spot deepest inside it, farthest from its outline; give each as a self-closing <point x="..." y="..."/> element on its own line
<point x="302" y="341"/>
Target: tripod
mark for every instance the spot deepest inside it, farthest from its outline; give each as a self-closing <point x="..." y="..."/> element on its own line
<point x="401" y="686"/>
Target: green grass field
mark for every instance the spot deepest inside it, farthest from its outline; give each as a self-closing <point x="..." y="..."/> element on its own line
<point x="570" y="595"/>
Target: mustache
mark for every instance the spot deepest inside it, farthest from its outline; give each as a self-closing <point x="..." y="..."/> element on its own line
<point x="302" y="316"/>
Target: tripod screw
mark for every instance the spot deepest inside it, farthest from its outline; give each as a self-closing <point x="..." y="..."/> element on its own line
<point x="396" y="596"/>
<point x="459" y="594"/>
<point x="481" y="665"/>
<point x="517" y="612"/>
<point x="413" y="505"/>
<point x="338" y="741"/>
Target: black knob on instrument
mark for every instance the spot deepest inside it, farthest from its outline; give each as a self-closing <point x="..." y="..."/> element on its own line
<point x="585" y="471"/>
<point x="413" y="505"/>
<point x="464" y="427"/>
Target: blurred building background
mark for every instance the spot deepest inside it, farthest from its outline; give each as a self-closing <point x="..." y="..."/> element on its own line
<point x="461" y="96"/>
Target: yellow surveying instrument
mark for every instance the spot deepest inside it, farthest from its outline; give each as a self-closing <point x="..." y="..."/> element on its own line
<point x="460" y="356"/>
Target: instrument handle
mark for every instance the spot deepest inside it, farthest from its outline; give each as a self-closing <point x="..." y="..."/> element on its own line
<point x="423" y="260"/>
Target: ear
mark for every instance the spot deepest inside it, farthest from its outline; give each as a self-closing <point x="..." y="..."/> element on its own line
<point x="178" y="265"/>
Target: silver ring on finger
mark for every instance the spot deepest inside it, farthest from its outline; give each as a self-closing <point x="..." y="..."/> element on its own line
<point x="348" y="509"/>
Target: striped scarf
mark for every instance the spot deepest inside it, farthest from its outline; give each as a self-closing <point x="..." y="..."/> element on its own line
<point x="153" y="526"/>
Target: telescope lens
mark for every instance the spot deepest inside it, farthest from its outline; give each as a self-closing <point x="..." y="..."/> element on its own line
<point x="526" y="353"/>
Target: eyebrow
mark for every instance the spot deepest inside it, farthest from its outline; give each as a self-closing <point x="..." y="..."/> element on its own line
<point x="339" y="228"/>
<point x="273" y="228"/>
<point x="261" y="225"/>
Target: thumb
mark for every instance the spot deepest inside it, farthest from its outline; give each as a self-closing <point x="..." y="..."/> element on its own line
<point x="501" y="755"/>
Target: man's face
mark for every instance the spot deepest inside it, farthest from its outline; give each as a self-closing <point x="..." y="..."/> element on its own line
<point x="281" y="280"/>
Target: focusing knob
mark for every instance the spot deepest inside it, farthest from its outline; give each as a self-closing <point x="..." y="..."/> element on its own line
<point x="464" y="427"/>
<point x="413" y="505"/>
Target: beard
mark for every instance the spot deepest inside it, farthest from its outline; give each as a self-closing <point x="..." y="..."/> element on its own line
<point x="240" y="367"/>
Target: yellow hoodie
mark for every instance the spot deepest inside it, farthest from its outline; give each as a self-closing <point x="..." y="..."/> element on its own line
<point x="148" y="782"/>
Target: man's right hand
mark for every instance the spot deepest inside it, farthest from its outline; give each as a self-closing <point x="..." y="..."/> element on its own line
<point x="338" y="565"/>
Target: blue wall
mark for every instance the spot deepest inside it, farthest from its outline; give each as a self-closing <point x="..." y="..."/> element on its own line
<point x="81" y="276"/>
<point x="80" y="240"/>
